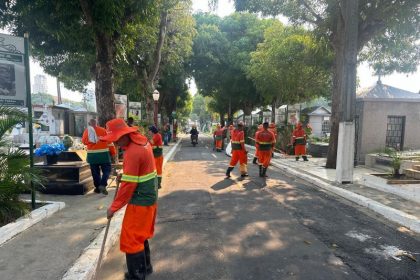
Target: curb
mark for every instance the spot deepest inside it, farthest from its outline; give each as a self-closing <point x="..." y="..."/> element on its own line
<point x="10" y="230"/>
<point x="389" y="213"/>
<point x="392" y="214"/>
<point x="84" y="267"/>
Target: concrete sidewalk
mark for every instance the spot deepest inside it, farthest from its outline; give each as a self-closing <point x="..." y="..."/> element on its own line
<point x="391" y="206"/>
<point x="47" y="249"/>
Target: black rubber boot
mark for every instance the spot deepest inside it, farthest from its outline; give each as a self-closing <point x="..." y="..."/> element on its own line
<point x="149" y="267"/>
<point x="305" y="158"/>
<point x="228" y="172"/>
<point x="254" y="161"/>
<point x="264" y="171"/>
<point x="103" y="190"/>
<point x="297" y="158"/>
<point x="136" y="265"/>
<point x="261" y="170"/>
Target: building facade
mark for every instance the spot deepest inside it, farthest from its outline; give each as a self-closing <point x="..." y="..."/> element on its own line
<point x="386" y="117"/>
<point x="40" y="84"/>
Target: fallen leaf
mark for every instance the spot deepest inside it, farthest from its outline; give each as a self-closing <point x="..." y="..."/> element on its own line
<point x="100" y="207"/>
<point x="307" y="242"/>
<point x="408" y="255"/>
<point x="334" y="245"/>
<point x="403" y="229"/>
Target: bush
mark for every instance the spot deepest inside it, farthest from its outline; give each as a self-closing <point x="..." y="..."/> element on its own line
<point x="15" y="172"/>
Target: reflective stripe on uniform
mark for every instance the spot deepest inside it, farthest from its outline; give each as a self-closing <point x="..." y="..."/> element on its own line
<point x="98" y="151"/>
<point x="138" y="179"/>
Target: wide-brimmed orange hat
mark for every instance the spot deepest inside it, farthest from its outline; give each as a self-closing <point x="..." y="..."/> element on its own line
<point x="117" y="128"/>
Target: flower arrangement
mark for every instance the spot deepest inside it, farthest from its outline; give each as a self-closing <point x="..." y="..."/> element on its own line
<point x="50" y="149"/>
<point x="68" y="141"/>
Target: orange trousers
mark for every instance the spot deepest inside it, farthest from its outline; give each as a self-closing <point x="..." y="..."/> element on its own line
<point x="138" y="226"/>
<point x="256" y="152"/>
<point x="219" y="144"/>
<point x="300" y="150"/>
<point x="241" y="157"/>
<point x="264" y="158"/>
<point x="159" y="164"/>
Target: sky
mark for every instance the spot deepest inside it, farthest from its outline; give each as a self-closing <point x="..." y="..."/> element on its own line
<point x="408" y="82"/>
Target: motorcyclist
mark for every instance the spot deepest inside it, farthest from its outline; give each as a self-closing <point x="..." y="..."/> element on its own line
<point x="194" y="133"/>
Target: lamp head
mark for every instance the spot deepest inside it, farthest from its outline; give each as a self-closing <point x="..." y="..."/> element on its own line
<point x="156" y="95"/>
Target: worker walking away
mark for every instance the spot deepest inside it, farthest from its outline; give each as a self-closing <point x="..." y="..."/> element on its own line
<point x="157" y="145"/>
<point x="138" y="189"/>
<point x="299" y="142"/>
<point x="265" y="141"/>
<point x="99" y="154"/>
<point x="260" y="128"/>
<point x="239" y="153"/>
<point x="218" y="138"/>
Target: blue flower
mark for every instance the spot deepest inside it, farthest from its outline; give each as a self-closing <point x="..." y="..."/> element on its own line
<point x="49" y="149"/>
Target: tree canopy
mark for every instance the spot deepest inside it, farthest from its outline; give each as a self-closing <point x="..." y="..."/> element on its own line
<point x="381" y="25"/>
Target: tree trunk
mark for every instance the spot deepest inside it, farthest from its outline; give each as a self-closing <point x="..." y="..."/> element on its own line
<point x="59" y="100"/>
<point x="151" y="76"/>
<point x="104" y="77"/>
<point x="222" y="119"/>
<point x="273" y="110"/>
<point x="104" y="72"/>
<point x="338" y="45"/>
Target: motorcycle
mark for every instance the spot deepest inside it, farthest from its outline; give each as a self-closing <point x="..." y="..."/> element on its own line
<point x="194" y="140"/>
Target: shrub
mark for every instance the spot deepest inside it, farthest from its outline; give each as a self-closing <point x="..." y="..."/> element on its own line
<point x="15" y="172"/>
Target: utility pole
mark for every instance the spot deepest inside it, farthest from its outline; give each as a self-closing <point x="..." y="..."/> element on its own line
<point x="345" y="153"/>
<point x="30" y="124"/>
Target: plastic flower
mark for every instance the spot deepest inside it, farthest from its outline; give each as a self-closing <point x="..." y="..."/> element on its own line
<point x="49" y="149"/>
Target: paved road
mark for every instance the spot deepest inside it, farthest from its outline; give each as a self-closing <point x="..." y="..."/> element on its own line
<point x="279" y="228"/>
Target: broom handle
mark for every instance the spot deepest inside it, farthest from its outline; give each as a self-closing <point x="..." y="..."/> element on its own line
<point x="98" y="266"/>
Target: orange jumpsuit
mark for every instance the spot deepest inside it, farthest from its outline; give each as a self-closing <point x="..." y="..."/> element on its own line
<point x="231" y="129"/>
<point x="157" y="145"/>
<point x="138" y="189"/>
<point x="260" y="128"/>
<point x="299" y="141"/>
<point x="265" y="141"/>
<point x="218" y="135"/>
<point x="238" y="151"/>
<point x="101" y="151"/>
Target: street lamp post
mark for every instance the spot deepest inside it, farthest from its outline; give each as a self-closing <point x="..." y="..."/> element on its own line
<point x="156" y="99"/>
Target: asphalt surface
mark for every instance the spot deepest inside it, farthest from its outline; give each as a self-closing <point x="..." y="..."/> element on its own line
<point x="209" y="227"/>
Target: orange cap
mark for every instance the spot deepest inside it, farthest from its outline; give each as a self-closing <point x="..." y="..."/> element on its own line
<point x="117" y="128"/>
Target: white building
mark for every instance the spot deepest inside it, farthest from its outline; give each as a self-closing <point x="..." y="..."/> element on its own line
<point x="40" y="84"/>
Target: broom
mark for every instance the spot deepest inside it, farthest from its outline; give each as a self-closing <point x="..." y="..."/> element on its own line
<point x="98" y="266"/>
